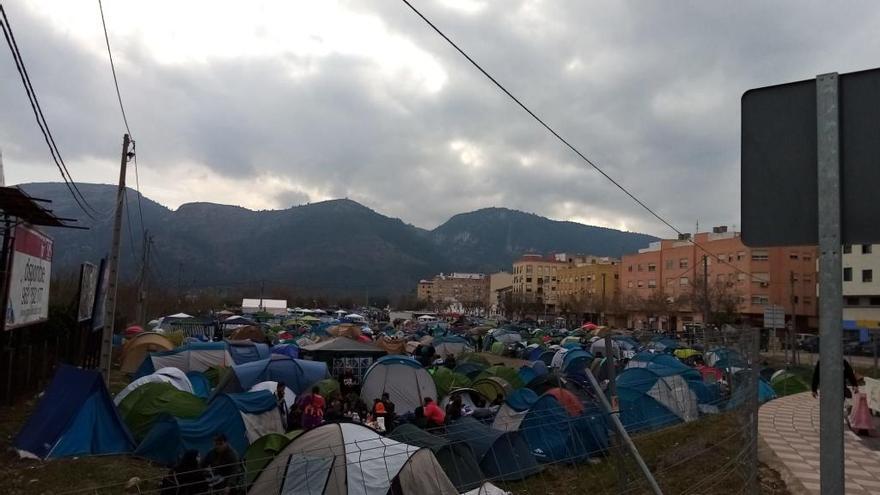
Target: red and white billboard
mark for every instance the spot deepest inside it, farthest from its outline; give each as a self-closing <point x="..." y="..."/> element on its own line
<point x="31" y="271"/>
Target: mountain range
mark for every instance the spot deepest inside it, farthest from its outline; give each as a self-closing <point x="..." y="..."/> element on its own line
<point x="336" y="246"/>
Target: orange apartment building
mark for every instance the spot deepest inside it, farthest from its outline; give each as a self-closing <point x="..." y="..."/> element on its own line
<point x="784" y="276"/>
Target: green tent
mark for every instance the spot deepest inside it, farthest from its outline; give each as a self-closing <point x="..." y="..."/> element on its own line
<point x="215" y="375"/>
<point x="327" y="386"/>
<point x="456" y="458"/>
<point x="497" y="348"/>
<point x="785" y="383"/>
<point x="140" y="408"/>
<point x="445" y="379"/>
<point x="510" y="375"/>
<point x="472" y="357"/>
<point x="492" y="386"/>
<point x="263" y="450"/>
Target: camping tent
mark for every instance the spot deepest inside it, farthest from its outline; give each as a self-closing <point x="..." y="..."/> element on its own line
<point x="469" y="398"/>
<point x="340" y="353"/>
<point x="289" y="350"/>
<point x="243" y="418"/>
<point x="451" y="344"/>
<point x="173" y="376"/>
<point x="76" y="417"/>
<point x="557" y="429"/>
<point x="140" y="408"/>
<point x="196" y="356"/>
<point x="785" y="383"/>
<point x="514" y="409"/>
<point x="642" y="359"/>
<point x="510" y="375"/>
<point x="250" y="332"/>
<point x="345" y="458"/>
<point x="651" y="398"/>
<point x="446" y="380"/>
<point x="503" y="455"/>
<point x="392" y="345"/>
<point x="297" y="374"/>
<point x="576" y="360"/>
<point x="403" y="378"/>
<point x="261" y="452"/>
<point x="136" y="349"/>
<point x="246" y="351"/>
<point x="470" y="369"/>
<point x="492" y="386"/>
<point x="289" y="395"/>
<point x="456" y="458"/>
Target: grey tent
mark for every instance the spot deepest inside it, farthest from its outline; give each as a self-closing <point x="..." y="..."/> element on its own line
<point x="457" y="459"/>
<point x="345" y="458"/>
<point x="503" y="455"/>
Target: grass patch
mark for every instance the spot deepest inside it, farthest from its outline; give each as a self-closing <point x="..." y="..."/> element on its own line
<point x="20" y="476"/>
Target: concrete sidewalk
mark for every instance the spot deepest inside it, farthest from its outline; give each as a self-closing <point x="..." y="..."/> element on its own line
<point x="789" y="432"/>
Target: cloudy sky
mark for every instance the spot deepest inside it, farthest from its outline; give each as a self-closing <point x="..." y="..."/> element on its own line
<point x="274" y="104"/>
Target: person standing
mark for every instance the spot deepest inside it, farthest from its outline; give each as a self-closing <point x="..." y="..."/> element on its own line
<point x="848" y="376"/>
<point x="433" y="413"/>
<point x="313" y="409"/>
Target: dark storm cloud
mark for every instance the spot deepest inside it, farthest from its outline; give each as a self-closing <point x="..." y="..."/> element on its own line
<point x="649" y="90"/>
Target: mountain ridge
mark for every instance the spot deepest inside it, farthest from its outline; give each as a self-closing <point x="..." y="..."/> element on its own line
<point x="334" y="245"/>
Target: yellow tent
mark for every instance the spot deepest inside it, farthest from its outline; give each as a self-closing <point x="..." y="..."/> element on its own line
<point x="136" y="349"/>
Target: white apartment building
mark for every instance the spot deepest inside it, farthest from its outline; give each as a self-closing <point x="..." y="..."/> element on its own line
<point x="861" y="283"/>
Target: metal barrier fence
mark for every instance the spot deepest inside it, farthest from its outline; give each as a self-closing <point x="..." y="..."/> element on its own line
<point x="695" y="430"/>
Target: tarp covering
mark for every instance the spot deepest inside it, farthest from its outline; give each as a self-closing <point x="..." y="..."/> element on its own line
<point x="245" y="351"/>
<point x="172" y="376"/>
<point x="297" y="374"/>
<point x="503" y="456"/>
<point x="456" y="459"/>
<point x="140" y="409"/>
<point x="340" y="459"/>
<point x="195" y="356"/>
<point x="136" y="349"/>
<point x="403" y="378"/>
<point x="227" y="413"/>
<point x="75" y="417"/>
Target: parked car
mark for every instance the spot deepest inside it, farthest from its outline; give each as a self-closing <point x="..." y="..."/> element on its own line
<point x="810" y="344"/>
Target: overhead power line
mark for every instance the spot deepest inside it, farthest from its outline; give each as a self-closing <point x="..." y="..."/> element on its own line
<point x="81" y="201"/>
<point x="564" y="141"/>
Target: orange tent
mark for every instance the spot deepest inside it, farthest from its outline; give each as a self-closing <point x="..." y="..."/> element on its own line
<point x="568" y="400"/>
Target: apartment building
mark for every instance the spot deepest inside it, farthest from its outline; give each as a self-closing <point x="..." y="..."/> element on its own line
<point x="425" y="290"/>
<point x="465" y="289"/>
<point x="861" y="286"/>
<point x="589" y="285"/>
<point x="499" y="284"/>
<point x="535" y="279"/>
<point x="667" y="271"/>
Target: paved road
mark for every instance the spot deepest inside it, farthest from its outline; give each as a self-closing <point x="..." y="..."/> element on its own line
<point x="789" y="428"/>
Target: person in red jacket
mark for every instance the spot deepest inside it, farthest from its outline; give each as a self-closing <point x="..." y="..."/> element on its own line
<point x="433" y="413"/>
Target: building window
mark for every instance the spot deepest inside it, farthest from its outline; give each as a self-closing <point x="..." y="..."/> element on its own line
<point x="792" y="256"/>
<point x="760" y="300"/>
<point x="652" y="267"/>
<point x="528" y="280"/>
<point x="741" y="276"/>
<point x="670" y="264"/>
<point x="866" y="249"/>
<point x="640" y="284"/>
<point x="630" y="284"/>
<point x="867" y="275"/>
<point x="806" y="257"/>
<point x="640" y="267"/>
<point x="808" y="300"/>
<point x="847" y="248"/>
<point x="528" y="269"/>
<point x="740" y="255"/>
<point x="652" y="283"/>
<point x="808" y="278"/>
<point x="851" y="301"/>
<point x="629" y="268"/>
<point x="795" y="299"/>
<point x="722" y="257"/>
<point x="683" y="263"/>
<point x="847" y="274"/>
<point x="683" y="281"/>
<point x="670" y="282"/>
<point x="874" y="301"/>
<point x="760" y="255"/>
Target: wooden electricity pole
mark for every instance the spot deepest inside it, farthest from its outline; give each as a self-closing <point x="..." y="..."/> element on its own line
<point x="113" y="267"/>
<point x="141" y="312"/>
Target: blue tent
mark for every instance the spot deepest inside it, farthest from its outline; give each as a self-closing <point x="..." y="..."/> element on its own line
<point x="535" y="353"/>
<point x="554" y="435"/>
<point x="526" y="374"/>
<point x="76" y="417"/>
<point x="521" y="399"/>
<point x="289" y="350"/>
<point x="503" y="455"/>
<point x="655" y="397"/>
<point x="667" y="365"/>
<point x="244" y="351"/>
<point x="297" y="374"/>
<point x="170" y="437"/>
<point x="572" y="345"/>
<point x="658" y="359"/>
<point x="200" y="383"/>
<point x="576" y="360"/>
<point x="547" y="357"/>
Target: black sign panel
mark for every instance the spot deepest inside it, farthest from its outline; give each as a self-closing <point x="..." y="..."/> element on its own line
<point x="779" y="159"/>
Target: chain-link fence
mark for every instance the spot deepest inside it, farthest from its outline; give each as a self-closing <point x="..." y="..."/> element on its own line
<point x="684" y="417"/>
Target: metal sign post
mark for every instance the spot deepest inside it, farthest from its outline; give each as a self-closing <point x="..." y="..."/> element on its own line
<point x="831" y="467"/>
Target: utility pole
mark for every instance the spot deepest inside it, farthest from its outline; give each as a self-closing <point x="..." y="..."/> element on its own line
<point x="706" y="307"/>
<point x="262" y="289"/>
<point x="791" y="330"/>
<point x="142" y="281"/>
<point x="113" y="267"/>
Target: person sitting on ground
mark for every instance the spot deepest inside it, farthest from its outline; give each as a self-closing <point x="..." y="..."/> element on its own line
<point x="453" y="409"/>
<point x="186" y="478"/>
<point x="419" y="419"/>
<point x="848" y="376"/>
<point x="224" y="464"/>
<point x="294" y="418"/>
<point x="434" y="415"/>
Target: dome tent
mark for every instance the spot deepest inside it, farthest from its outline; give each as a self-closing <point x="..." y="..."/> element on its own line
<point x="514" y="409"/>
<point x="492" y="386"/>
<point x="447" y="380"/>
<point x="456" y="458"/>
<point x="196" y="356"/>
<point x="246" y="351"/>
<point x="557" y="429"/>
<point x="261" y="452"/>
<point x="345" y="458"/>
<point x="451" y="344"/>
<point x="140" y="408"/>
<point x="172" y="376"/>
<point x="138" y="347"/>
<point x="297" y="374"/>
<point x="403" y="378"/>
<point x="651" y="398"/>
<point x="503" y="456"/>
